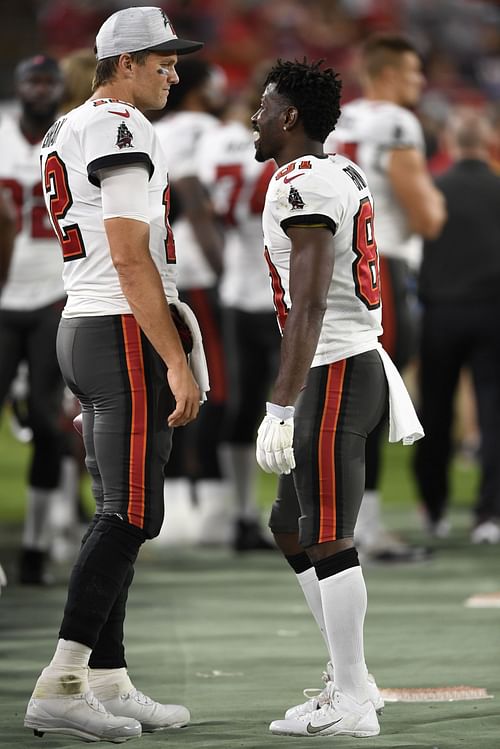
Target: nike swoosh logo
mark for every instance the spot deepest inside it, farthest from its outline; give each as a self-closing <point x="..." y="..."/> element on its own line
<point x="286" y="180"/>
<point x="125" y="113"/>
<point x="317" y="729"/>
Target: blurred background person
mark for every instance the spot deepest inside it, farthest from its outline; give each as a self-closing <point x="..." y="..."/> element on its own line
<point x="237" y="185"/>
<point x="31" y="300"/>
<point x="69" y="517"/>
<point x="198" y="502"/>
<point x="7" y="235"/>
<point x="459" y="282"/>
<point x="78" y="68"/>
<point x="382" y="135"/>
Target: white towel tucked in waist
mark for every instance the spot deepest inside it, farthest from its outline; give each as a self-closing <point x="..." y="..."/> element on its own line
<point x="403" y="422"/>
<point x="197" y="359"/>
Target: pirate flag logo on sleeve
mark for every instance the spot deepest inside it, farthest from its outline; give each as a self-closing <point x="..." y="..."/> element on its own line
<point x="124" y="136"/>
<point x="294" y="198"/>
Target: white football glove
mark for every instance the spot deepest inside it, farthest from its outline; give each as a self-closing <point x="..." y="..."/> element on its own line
<point x="275" y="440"/>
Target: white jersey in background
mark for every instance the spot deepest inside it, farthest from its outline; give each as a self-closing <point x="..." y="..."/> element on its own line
<point x="99" y="134"/>
<point x="179" y="134"/>
<point x="34" y="279"/>
<point x="331" y="191"/>
<point x="366" y="132"/>
<point x="237" y="185"/>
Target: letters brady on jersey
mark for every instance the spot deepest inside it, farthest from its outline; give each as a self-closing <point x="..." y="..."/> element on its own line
<point x="77" y="148"/>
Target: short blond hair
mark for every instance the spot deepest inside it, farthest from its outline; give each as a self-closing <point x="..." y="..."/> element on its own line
<point x="384" y="50"/>
<point x="106" y="69"/>
<point x="78" y="69"/>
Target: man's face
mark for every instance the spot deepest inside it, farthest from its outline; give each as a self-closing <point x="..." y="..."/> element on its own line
<point x="153" y="79"/>
<point x="40" y="93"/>
<point x="267" y="124"/>
<point x="214" y="92"/>
<point x="409" y="79"/>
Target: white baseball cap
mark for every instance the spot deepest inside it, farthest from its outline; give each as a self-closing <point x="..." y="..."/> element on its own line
<point x="137" y="29"/>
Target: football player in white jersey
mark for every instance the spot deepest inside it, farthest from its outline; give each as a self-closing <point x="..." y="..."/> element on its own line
<point x="7" y="235"/>
<point x="106" y="187"/>
<point x="381" y="134"/>
<point x="333" y="381"/>
<point x="31" y="300"/>
<point x="237" y="185"/>
<point x="194" y="469"/>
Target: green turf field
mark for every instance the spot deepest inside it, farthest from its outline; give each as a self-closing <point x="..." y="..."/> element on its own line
<point x="230" y="635"/>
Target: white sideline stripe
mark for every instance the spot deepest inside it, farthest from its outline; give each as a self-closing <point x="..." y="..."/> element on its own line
<point x="483" y="601"/>
<point x="435" y="694"/>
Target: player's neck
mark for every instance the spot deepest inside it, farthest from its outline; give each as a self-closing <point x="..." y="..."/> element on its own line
<point x="378" y="91"/>
<point x="296" y="149"/>
<point x="114" y="90"/>
<point x="34" y="129"/>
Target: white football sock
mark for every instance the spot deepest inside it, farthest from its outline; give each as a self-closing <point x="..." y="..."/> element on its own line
<point x="108" y="683"/>
<point x="310" y="587"/>
<point x="71" y="654"/>
<point x="67" y="673"/>
<point x="37" y="533"/>
<point x="216" y="511"/>
<point x="240" y="467"/>
<point x="344" y="603"/>
<point x="64" y="508"/>
<point x="369" y="522"/>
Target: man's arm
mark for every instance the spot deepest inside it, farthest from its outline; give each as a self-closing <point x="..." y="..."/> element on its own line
<point x="141" y="283"/>
<point x="197" y="208"/>
<point x="311" y="268"/>
<point x="7" y="236"/>
<point x="411" y="182"/>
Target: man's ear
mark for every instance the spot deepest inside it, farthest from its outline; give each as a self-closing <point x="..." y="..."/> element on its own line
<point x="125" y="63"/>
<point x="291" y="118"/>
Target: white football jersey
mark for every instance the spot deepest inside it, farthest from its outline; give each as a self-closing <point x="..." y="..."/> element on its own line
<point x="367" y="132"/>
<point x="237" y="185"/>
<point x="34" y="279"/>
<point x="99" y="134"/>
<point x="332" y="192"/>
<point x="180" y="135"/>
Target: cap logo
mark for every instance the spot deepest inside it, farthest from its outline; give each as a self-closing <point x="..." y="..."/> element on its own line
<point x="167" y="22"/>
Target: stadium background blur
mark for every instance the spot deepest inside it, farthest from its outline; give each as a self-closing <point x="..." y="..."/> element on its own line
<point x="459" y="41"/>
<point x="429" y="639"/>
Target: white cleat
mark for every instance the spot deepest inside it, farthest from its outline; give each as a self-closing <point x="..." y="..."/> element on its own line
<point x="322" y="696"/>
<point x="487" y="532"/>
<point x="153" y="716"/>
<point x="339" y="716"/>
<point x="80" y="715"/>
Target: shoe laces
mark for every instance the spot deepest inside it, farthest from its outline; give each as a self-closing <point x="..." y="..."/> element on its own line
<point x="93" y="702"/>
<point x="327" y="705"/>
<point x="139" y="697"/>
<point x="320" y="694"/>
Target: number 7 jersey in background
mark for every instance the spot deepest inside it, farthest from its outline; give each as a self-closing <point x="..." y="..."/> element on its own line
<point x="34" y="279"/>
<point x="329" y="192"/>
<point x="237" y="186"/>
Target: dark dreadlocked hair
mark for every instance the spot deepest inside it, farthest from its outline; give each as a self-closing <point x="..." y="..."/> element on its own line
<point x="314" y="92"/>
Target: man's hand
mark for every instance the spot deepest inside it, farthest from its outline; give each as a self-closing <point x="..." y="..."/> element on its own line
<point x="275" y="440"/>
<point x="186" y="393"/>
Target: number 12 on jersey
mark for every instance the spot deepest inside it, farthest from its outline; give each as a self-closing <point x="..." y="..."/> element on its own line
<point x="60" y="201"/>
